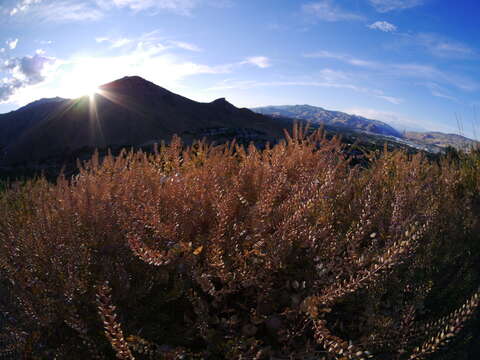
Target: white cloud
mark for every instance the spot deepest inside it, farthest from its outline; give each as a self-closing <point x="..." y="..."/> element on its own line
<point x="60" y="11"/>
<point x="384" y="6"/>
<point x="121" y="42"/>
<point x="260" y="61"/>
<point x="12" y="43"/>
<point x="66" y="11"/>
<point x="183" y="7"/>
<point x="24" y="71"/>
<point x="391" y="99"/>
<point x="384" y="26"/>
<point x="114" y="43"/>
<point x="326" y="10"/>
<point x="23" y="6"/>
<point x="94" y="10"/>
<point x="150" y="40"/>
<point x="76" y="76"/>
<point x="186" y="46"/>
<point x="2" y="50"/>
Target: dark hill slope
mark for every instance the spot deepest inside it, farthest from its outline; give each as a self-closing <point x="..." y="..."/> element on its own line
<point x="133" y="111"/>
<point x="15" y="123"/>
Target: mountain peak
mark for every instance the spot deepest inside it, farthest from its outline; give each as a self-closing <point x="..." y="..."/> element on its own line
<point x="131" y="111"/>
<point x="222" y="103"/>
<point x="134" y="83"/>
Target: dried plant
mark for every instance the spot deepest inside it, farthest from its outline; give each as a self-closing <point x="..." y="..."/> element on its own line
<point x="113" y="329"/>
<point x="233" y="252"/>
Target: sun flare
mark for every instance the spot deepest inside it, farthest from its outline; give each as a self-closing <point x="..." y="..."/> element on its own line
<point x="92" y="92"/>
<point x="82" y="79"/>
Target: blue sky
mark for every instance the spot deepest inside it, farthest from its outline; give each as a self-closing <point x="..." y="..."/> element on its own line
<point x="412" y="63"/>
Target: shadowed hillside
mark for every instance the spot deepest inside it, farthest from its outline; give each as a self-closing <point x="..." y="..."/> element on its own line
<point x="130" y="111"/>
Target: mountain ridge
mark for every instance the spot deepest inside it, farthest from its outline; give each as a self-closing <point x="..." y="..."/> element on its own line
<point x="130" y="111"/>
<point x="318" y="115"/>
<point x="433" y="140"/>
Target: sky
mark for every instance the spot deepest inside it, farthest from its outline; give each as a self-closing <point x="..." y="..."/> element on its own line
<point x="412" y="63"/>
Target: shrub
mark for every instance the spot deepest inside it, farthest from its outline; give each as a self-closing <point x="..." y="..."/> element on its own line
<point x="233" y="252"/>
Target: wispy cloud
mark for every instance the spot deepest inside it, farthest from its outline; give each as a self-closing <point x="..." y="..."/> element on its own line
<point x="62" y="11"/>
<point x="185" y="46"/>
<point x="327" y="10"/>
<point x="433" y="44"/>
<point x="324" y="80"/>
<point x="114" y="43"/>
<point x="262" y="62"/>
<point x="23" y="5"/>
<point x="12" y="43"/>
<point x="343" y="57"/>
<point x="403" y="70"/>
<point x="429" y="72"/>
<point x="438" y="91"/>
<point x="384" y="26"/>
<point x="384" y="6"/>
<point x="441" y="46"/>
<point x="93" y="10"/>
<point x="150" y="40"/>
<point x="183" y="7"/>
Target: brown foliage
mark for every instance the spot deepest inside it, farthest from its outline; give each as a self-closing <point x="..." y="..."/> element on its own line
<point x="227" y="252"/>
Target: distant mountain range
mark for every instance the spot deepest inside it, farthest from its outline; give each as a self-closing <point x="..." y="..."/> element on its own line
<point x="441" y="140"/>
<point x="135" y="112"/>
<point x="318" y="115"/>
<point x="430" y="141"/>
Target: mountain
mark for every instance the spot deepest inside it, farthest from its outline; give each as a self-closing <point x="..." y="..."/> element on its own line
<point x="127" y="112"/>
<point x="14" y="123"/>
<point x="318" y="115"/>
<point x="441" y="140"/>
<point x="132" y="111"/>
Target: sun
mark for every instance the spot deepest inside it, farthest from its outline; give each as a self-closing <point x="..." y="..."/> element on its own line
<point x="82" y="88"/>
<point x="92" y="91"/>
<point x="82" y="80"/>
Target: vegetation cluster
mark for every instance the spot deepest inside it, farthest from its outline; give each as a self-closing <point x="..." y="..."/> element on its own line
<point x="231" y="252"/>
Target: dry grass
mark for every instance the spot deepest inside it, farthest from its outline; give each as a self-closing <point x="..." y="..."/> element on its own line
<point x="227" y="252"/>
